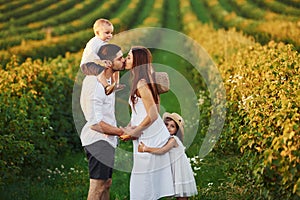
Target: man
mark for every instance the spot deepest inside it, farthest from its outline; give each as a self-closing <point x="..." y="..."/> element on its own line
<point x="99" y="135"/>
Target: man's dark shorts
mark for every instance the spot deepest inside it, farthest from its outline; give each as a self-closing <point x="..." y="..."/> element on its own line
<point x="101" y="156"/>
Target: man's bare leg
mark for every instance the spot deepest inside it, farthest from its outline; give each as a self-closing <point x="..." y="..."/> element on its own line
<point x="105" y="195"/>
<point x="97" y="189"/>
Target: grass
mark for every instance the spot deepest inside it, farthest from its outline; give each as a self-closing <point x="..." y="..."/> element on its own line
<point x="66" y="179"/>
<point x="69" y="180"/>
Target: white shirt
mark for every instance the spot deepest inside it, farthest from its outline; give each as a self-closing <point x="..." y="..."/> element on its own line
<point x="96" y="107"/>
<point x="90" y="52"/>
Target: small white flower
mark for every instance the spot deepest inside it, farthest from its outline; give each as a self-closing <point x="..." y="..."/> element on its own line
<point x="197" y="168"/>
<point x="200" y="102"/>
<point x="193" y="159"/>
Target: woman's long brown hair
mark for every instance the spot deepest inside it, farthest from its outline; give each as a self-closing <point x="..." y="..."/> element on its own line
<point x="142" y="69"/>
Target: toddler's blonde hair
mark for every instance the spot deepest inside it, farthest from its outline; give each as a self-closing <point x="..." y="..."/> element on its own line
<point x="100" y="22"/>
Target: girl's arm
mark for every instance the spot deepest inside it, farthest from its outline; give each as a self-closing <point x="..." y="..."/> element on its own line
<point x="150" y="106"/>
<point x="167" y="147"/>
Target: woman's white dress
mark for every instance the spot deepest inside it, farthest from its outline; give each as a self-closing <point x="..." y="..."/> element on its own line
<point x="184" y="181"/>
<point x="151" y="176"/>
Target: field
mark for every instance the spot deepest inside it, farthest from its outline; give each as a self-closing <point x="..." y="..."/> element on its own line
<point x="234" y="68"/>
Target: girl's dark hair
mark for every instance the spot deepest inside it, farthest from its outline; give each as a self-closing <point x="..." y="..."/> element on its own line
<point x="142" y="69"/>
<point x="178" y="132"/>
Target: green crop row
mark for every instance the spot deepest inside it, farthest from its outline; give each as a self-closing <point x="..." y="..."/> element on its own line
<point x="278" y="7"/>
<point x="87" y="20"/>
<point x="251" y="10"/>
<point x="20" y="15"/>
<point x="200" y="10"/>
<point x="248" y="9"/>
<point x="293" y="3"/>
<point x="126" y="18"/>
<point x="155" y="18"/>
<point x="64" y="17"/>
<point x="8" y="6"/>
<point x="61" y="29"/>
<point x="138" y="36"/>
<point x="263" y="31"/>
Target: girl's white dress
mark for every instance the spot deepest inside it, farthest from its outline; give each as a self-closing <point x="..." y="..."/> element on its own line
<point x="184" y="181"/>
<point x="151" y="176"/>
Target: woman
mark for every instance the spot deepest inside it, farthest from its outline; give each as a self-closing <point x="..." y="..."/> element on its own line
<point x="151" y="176"/>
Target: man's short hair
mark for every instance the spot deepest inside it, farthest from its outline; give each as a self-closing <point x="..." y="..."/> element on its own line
<point x="108" y="52"/>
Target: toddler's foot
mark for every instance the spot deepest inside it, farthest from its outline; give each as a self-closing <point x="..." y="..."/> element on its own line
<point x="119" y="87"/>
<point x="110" y="88"/>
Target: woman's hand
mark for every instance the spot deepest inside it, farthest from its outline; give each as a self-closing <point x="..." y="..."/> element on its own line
<point x="128" y="133"/>
<point x="132" y="131"/>
<point x="125" y="137"/>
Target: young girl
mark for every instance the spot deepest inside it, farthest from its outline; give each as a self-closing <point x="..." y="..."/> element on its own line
<point x="184" y="181"/>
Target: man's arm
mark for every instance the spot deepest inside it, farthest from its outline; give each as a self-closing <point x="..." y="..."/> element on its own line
<point x="107" y="129"/>
<point x="91" y="68"/>
<point x="151" y="109"/>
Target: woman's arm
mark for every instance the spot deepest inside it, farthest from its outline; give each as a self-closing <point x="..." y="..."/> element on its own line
<point x="167" y="147"/>
<point x="150" y="106"/>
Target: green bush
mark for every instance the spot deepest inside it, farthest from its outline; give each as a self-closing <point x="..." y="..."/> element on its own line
<point x="263" y="94"/>
<point x="12" y="153"/>
<point x="36" y="115"/>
